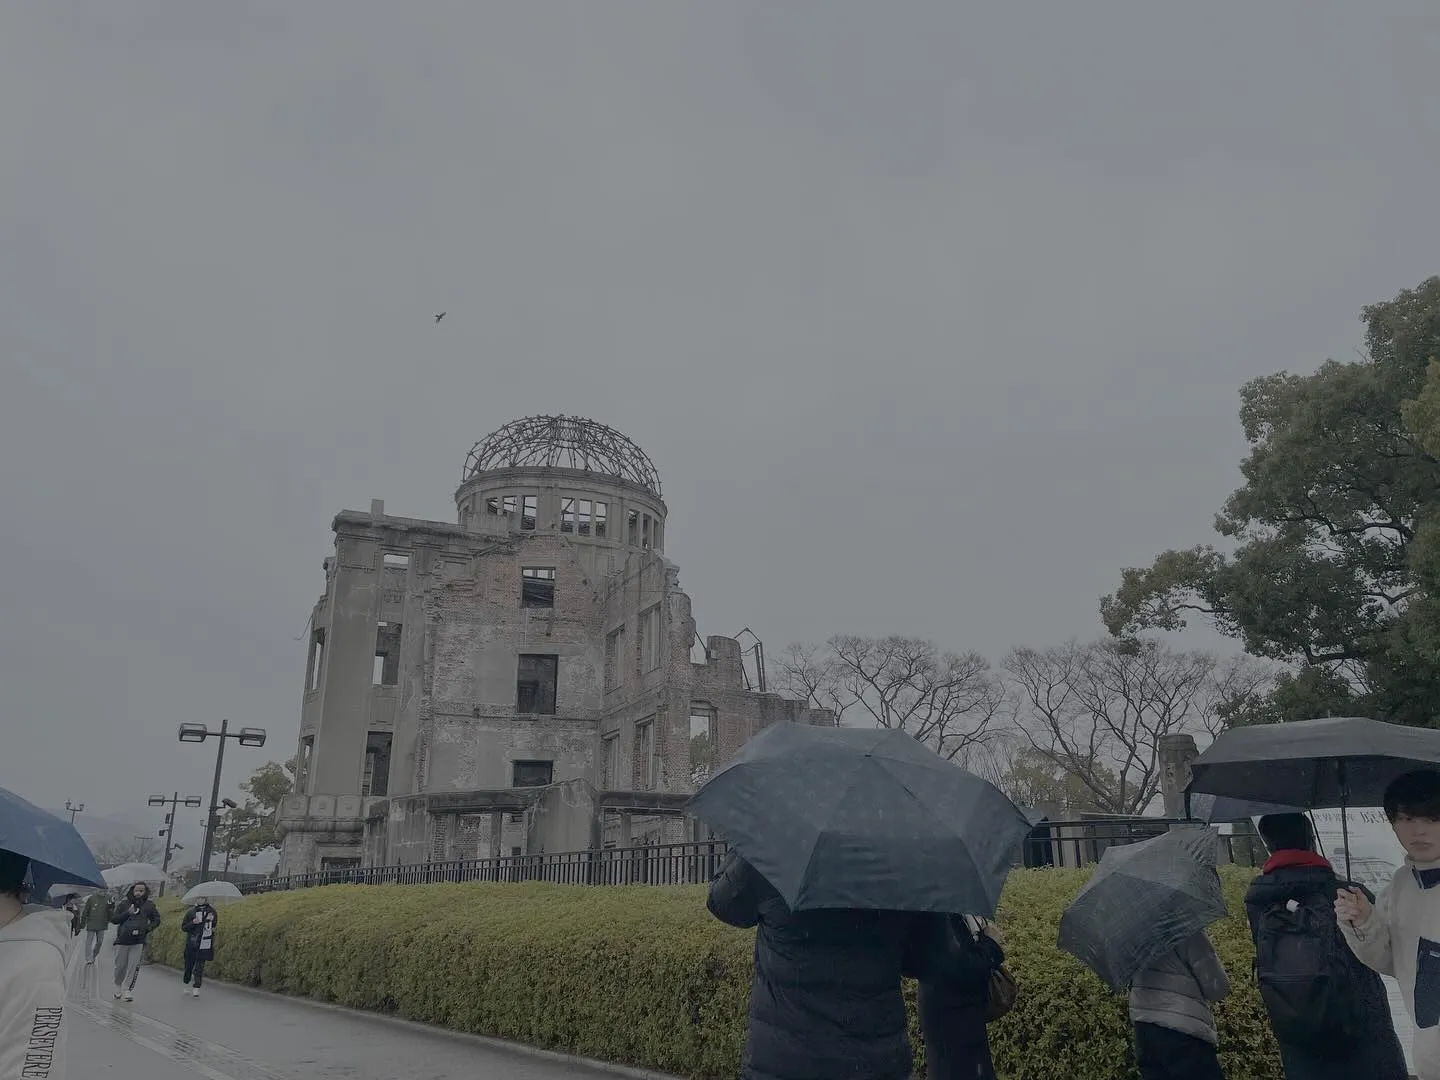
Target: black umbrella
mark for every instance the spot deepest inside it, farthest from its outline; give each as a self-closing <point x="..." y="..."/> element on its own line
<point x="863" y="818"/>
<point x="1143" y="900"/>
<point x="1314" y="764"/>
<point x="1215" y="809"/>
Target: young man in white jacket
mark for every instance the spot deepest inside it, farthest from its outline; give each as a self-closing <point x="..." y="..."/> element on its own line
<point x="33" y="943"/>
<point x="1399" y="934"/>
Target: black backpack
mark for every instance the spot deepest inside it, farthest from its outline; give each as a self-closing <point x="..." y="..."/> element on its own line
<point x="1306" y="978"/>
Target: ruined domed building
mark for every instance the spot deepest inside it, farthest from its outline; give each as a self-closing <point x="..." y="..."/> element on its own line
<point x="520" y="681"/>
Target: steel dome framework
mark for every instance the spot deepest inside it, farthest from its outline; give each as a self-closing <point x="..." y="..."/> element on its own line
<point x="563" y="442"/>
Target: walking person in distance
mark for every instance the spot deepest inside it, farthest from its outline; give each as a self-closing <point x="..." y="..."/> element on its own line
<point x="136" y="917"/>
<point x="95" y="920"/>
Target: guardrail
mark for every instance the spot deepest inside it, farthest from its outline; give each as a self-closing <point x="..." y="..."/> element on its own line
<point x="1050" y="843"/>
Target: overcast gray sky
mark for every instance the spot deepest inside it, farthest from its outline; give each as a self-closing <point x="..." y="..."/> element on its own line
<point x="932" y="315"/>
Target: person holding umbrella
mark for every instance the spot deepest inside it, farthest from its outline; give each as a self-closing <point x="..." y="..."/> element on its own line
<point x="199" y="922"/>
<point x="850" y="850"/>
<point x="34" y="939"/>
<point x="1139" y="924"/>
<point x="1399" y="934"/>
<point x="37" y="850"/>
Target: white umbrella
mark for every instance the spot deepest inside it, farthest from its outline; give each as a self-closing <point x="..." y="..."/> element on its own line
<point x="61" y="889"/>
<point x="132" y="873"/>
<point x="217" y="892"/>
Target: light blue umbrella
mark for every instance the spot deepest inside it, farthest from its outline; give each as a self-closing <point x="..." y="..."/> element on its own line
<point x="54" y="847"/>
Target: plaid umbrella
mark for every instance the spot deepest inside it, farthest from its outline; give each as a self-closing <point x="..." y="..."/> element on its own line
<point x="1142" y="900"/>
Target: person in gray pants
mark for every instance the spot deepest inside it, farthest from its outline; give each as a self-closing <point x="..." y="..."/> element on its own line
<point x="136" y="917"/>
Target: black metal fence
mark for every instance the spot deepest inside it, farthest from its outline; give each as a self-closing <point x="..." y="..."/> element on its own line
<point x="660" y="864"/>
<point x="1050" y="843"/>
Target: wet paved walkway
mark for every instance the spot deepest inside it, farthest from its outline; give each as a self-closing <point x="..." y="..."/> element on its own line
<point x="230" y="1033"/>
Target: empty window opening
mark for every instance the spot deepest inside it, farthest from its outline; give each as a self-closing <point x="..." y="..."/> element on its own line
<point x="537" y="586"/>
<point x="492" y="506"/>
<point x="702" y="743"/>
<point x="464" y="516"/>
<point x="302" y="766"/>
<point x="645" y="754"/>
<point x="376" y="778"/>
<point x="535" y="684"/>
<point x="632" y="528"/>
<point x="317" y="659"/>
<point x="529" y="513"/>
<point x="515" y="853"/>
<point x="615" y="659"/>
<point x="645" y="531"/>
<point x="655" y="536"/>
<point x="650" y="639"/>
<point x="532" y="773"/>
<point x="610" y="761"/>
<point x="601" y="517"/>
<point x="396" y="559"/>
<point x="387" y="655"/>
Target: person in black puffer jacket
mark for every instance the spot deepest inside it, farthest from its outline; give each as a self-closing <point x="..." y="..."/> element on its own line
<point x="1293" y="871"/>
<point x="136" y="917"/>
<point x="825" y="999"/>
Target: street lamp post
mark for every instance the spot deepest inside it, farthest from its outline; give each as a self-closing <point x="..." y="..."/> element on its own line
<point x="174" y="802"/>
<point x="74" y="808"/>
<point x="198" y="733"/>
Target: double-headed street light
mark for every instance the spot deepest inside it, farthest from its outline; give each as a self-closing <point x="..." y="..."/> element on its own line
<point x="175" y="801"/>
<point x="249" y="736"/>
<point x="74" y="808"/>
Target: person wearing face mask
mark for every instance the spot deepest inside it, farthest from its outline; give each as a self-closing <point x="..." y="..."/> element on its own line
<point x="136" y="918"/>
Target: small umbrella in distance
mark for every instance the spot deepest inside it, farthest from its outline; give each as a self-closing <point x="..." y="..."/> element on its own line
<point x="133" y="873"/>
<point x="53" y="846"/>
<point x="863" y="818"/>
<point x="1341" y="761"/>
<point x="217" y="892"/>
<point x="1141" y="900"/>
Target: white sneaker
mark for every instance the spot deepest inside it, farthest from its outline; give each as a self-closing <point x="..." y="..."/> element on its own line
<point x="117" y="995"/>
<point x="195" y="991"/>
<point x="129" y="995"/>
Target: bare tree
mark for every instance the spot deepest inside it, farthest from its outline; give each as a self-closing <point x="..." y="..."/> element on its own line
<point x="949" y="701"/>
<point x="1098" y="711"/>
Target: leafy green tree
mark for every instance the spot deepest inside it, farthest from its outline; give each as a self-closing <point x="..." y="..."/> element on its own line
<point x="250" y="829"/>
<point x="1333" y="560"/>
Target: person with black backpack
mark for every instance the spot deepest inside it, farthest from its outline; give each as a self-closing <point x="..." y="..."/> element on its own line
<point x="1329" y="1012"/>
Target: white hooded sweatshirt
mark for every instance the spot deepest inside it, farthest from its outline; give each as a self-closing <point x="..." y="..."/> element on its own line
<point x="32" y="994"/>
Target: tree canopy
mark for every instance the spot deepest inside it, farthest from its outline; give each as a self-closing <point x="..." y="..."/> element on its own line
<point x="1332" y="545"/>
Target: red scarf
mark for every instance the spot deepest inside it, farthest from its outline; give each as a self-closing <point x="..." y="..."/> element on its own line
<point x="1295" y="860"/>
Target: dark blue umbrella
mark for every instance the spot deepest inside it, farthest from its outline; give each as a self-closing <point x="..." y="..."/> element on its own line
<point x="863" y="818"/>
<point x="53" y="846"/>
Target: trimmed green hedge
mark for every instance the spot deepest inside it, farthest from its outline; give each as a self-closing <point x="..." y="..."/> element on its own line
<point x="644" y="976"/>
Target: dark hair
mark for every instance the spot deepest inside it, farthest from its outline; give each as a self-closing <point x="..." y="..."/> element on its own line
<point x="13" y="869"/>
<point x="130" y="892"/>
<point x="1286" y="832"/>
<point x="1414" y="795"/>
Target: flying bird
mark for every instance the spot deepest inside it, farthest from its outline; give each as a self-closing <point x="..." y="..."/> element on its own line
<point x="440" y="316"/>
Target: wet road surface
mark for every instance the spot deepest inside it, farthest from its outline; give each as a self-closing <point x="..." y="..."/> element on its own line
<point x="233" y="1034"/>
